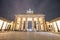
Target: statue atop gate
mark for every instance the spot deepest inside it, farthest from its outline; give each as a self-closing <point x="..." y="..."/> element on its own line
<point x="29" y="11"/>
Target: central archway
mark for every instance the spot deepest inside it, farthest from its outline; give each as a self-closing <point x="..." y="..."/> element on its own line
<point x="29" y="25"/>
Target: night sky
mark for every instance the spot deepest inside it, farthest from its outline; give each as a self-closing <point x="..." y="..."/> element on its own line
<point x="8" y="8"/>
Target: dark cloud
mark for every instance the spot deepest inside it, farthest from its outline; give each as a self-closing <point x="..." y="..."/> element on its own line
<point x="51" y="8"/>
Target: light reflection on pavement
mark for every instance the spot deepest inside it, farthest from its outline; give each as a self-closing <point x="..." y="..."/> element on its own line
<point x="29" y="36"/>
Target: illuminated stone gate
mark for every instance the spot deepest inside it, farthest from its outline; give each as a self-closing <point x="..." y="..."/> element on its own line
<point x="30" y="21"/>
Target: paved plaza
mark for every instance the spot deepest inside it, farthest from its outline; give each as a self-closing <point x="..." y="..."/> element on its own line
<point x="29" y="36"/>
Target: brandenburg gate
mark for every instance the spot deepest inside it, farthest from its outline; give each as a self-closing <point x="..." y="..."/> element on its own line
<point x="30" y="21"/>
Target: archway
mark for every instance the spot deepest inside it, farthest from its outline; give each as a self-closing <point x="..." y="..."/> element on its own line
<point x="29" y="25"/>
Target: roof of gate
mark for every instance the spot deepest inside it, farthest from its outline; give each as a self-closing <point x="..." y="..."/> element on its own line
<point x="40" y="14"/>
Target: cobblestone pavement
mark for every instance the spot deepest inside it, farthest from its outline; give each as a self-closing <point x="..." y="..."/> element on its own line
<point x="29" y="36"/>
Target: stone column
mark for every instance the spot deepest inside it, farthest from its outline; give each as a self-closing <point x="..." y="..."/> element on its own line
<point x="44" y="26"/>
<point x="32" y="24"/>
<point x="37" y="24"/>
<point x="57" y="27"/>
<point x="15" y="23"/>
<point x="21" y="24"/>
<point x="26" y="24"/>
<point x="2" y="26"/>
